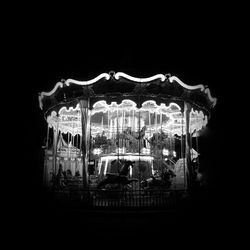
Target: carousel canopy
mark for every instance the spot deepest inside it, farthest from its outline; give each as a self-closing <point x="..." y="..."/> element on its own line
<point x="168" y="118"/>
<point x="118" y="100"/>
<point x="115" y="87"/>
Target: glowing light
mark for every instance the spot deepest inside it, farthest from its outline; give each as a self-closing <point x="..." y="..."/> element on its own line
<point x="68" y="120"/>
<point x="174" y="78"/>
<point x="145" y="151"/>
<point x="70" y="111"/>
<point x="40" y="97"/>
<point x="120" y="150"/>
<point x="102" y="106"/>
<point x="165" y="152"/>
<point x="103" y="75"/>
<point x="128" y="157"/>
<point x="97" y="151"/>
<point x="118" y="75"/>
<point x="214" y="100"/>
<point x="150" y="105"/>
<point x="197" y="120"/>
<point x="194" y="153"/>
<point x="68" y="82"/>
<point x="99" y="166"/>
<point x="199" y="86"/>
<point x="135" y="79"/>
<point x="105" y="168"/>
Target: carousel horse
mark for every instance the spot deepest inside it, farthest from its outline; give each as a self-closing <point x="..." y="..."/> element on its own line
<point x="132" y="135"/>
<point x="163" y="180"/>
<point x="139" y="134"/>
<point x="121" y="178"/>
<point x="132" y="138"/>
<point x="157" y="139"/>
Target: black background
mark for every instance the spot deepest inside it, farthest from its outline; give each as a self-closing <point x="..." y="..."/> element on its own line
<point x="197" y="46"/>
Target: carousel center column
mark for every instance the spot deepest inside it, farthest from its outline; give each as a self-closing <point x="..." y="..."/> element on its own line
<point x="85" y="122"/>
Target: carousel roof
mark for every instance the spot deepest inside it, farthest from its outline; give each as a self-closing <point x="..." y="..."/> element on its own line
<point x="117" y="86"/>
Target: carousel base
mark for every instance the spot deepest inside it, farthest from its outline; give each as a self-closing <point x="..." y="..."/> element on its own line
<point x="103" y="198"/>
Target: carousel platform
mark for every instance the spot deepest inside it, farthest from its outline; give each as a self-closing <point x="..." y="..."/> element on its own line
<point x="99" y="199"/>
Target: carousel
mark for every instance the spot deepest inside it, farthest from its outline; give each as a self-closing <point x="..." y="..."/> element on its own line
<point x="119" y="131"/>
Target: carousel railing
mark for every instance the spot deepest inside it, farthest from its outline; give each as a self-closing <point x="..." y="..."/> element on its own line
<point x="134" y="198"/>
<point x="118" y="198"/>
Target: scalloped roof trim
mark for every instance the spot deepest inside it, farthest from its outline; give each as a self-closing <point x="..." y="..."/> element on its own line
<point x="118" y="75"/>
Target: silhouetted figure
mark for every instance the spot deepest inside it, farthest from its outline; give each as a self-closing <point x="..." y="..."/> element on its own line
<point x="58" y="180"/>
<point x="121" y="178"/>
<point x="116" y="166"/>
<point x="77" y="174"/>
<point x="159" y="180"/>
<point x="167" y="176"/>
<point x="68" y="174"/>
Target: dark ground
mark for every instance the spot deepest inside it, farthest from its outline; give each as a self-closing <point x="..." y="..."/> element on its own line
<point x="208" y="218"/>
